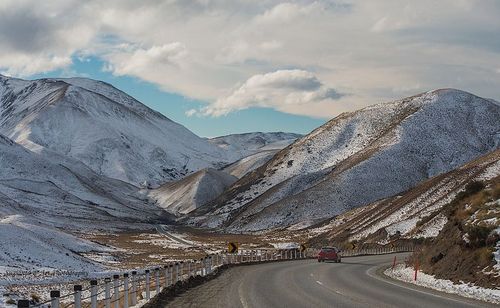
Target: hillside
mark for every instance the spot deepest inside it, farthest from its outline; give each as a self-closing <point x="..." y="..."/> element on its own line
<point x="358" y="158"/>
<point x="193" y="191"/>
<point x="467" y="247"/>
<point x="419" y="213"/>
<point x="243" y="145"/>
<point x="45" y="199"/>
<point x="249" y="163"/>
<point x="106" y="129"/>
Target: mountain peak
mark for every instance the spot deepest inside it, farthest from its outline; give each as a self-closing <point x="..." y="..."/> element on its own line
<point x="107" y="129"/>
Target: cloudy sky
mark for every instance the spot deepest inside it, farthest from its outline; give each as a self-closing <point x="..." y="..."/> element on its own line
<point x="232" y="65"/>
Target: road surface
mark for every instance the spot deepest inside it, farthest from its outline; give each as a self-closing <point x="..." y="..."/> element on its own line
<point x="307" y="283"/>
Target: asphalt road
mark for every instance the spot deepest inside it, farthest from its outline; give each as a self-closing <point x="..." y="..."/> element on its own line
<point x="356" y="282"/>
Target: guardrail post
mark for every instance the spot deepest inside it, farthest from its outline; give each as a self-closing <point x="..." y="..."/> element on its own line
<point x="93" y="293"/>
<point x="177" y="272"/>
<point x="107" y="292"/>
<point x="54" y="298"/>
<point x="125" y="290"/>
<point x="170" y="274"/>
<point x="148" y="291"/>
<point x="77" y="297"/>
<point x="157" y="280"/>
<point x="210" y="264"/>
<point x="23" y="303"/>
<point x="204" y="266"/>
<point x="116" y="294"/>
<point x="165" y="269"/>
<point x="134" y="288"/>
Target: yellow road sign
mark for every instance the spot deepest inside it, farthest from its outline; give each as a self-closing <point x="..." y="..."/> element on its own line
<point x="232" y="247"/>
<point x="303" y="247"/>
<point x="353" y="245"/>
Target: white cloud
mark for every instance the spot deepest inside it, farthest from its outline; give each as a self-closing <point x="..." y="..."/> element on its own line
<point x="212" y="50"/>
<point x="278" y="90"/>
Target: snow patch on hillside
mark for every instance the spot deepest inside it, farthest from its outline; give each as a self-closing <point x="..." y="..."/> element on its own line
<point x="406" y="274"/>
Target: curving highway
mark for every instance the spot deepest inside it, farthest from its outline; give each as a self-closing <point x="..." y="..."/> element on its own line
<point x="306" y="283"/>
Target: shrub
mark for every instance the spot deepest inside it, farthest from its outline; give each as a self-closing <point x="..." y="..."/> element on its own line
<point x="478" y="235"/>
<point x="35" y="297"/>
<point x="471" y="189"/>
<point x="484" y="256"/>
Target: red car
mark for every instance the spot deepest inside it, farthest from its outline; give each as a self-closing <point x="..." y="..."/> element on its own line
<point x="329" y="254"/>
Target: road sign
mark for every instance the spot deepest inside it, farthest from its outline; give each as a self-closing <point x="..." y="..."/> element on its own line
<point x="393" y="246"/>
<point x="232" y="247"/>
<point x="303" y="247"/>
<point x="353" y="245"/>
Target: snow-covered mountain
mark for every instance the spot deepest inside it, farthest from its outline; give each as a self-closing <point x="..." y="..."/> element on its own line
<point x="63" y="192"/>
<point x="193" y="191"/>
<point x="358" y="158"/>
<point x="249" y="163"/>
<point x="106" y="129"/>
<point x="243" y="145"/>
<point x="46" y="198"/>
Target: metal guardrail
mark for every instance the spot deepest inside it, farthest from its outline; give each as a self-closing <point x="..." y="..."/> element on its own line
<point x="129" y="289"/>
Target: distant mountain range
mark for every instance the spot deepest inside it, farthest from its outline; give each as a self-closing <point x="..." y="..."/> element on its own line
<point x="78" y="154"/>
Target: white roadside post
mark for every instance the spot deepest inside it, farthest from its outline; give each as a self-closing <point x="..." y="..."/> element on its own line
<point x="107" y="292"/>
<point x="54" y="298"/>
<point x="125" y="290"/>
<point x="165" y="269"/>
<point x="181" y="270"/>
<point x="177" y="272"/>
<point x="189" y="269"/>
<point x="93" y="293"/>
<point x="148" y="284"/>
<point x="170" y="274"/>
<point x="157" y="280"/>
<point x="77" y="295"/>
<point x="134" y="288"/>
<point x="116" y="293"/>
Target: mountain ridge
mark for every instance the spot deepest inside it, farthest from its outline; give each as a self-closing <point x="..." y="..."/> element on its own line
<point x="448" y="126"/>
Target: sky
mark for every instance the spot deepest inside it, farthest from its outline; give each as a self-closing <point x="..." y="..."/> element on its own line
<point x="231" y="66"/>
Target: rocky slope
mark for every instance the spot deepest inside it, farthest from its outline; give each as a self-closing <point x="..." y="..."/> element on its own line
<point x="357" y="159"/>
<point x="106" y="129"/>
<point x="467" y="247"/>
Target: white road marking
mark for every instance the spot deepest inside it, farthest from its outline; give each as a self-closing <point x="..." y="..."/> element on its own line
<point x="333" y="290"/>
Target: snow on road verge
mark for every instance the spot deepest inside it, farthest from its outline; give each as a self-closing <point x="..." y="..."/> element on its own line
<point x="406" y="274"/>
